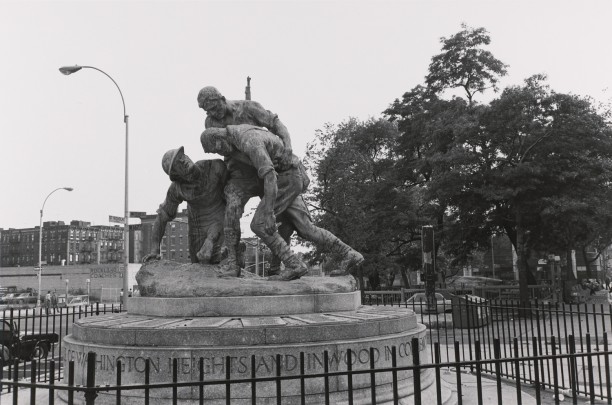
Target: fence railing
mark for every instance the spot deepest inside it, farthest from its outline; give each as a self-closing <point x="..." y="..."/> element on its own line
<point x="529" y="330"/>
<point x="27" y="390"/>
<point x="18" y="326"/>
<point x="549" y="346"/>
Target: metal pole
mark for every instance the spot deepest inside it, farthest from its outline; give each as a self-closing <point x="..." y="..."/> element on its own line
<point x="126" y="229"/>
<point x="40" y="258"/>
<point x="39" y="301"/>
<point x="492" y="258"/>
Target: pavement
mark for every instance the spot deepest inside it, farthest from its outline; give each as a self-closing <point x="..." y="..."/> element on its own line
<point x="468" y="390"/>
<point x="509" y="394"/>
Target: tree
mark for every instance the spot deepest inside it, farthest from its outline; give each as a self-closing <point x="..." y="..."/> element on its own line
<point x="530" y="157"/>
<point x="436" y="134"/>
<point x="535" y="156"/>
<point x="356" y="194"/>
<point x="465" y="64"/>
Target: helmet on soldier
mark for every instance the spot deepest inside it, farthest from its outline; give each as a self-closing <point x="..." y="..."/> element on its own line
<point x="170" y="157"/>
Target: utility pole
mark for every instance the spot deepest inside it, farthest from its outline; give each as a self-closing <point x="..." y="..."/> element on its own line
<point x="492" y="257"/>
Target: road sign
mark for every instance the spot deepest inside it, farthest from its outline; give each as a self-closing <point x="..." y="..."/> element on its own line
<point x="118" y="220"/>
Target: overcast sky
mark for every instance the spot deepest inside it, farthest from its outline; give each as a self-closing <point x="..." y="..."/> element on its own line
<point x="311" y="62"/>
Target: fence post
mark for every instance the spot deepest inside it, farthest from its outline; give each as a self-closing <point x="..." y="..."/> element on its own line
<point x="277" y="380"/>
<point x="607" y="364"/>
<point x="416" y="371"/>
<point x="326" y="372"/>
<point x="15" y="379"/>
<point x="228" y="377"/>
<point x="302" y="379"/>
<point x="118" y="382"/>
<point x="33" y="372"/>
<point x="517" y="372"/>
<point x="51" y="382"/>
<point x="90" y="391"/>
<point x="497" y="355"/>
<point x="147" y="379"/>
<point x="556" y="390"/>
<point x="478" y="371"/>
<point x="349" y="369"/>
<point x="372" y="376"/>
<point x="174" y="379"/>
<point x="254" y="375"/>
<point x="536" y="368"/>
<point x="458" y="370"/>
<point x="437" y="370"/>
<point x="590" y="367"/>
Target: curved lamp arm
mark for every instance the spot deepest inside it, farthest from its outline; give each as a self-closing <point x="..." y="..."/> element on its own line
<point x="49" y="195"/>
<point x="68" y="70"/>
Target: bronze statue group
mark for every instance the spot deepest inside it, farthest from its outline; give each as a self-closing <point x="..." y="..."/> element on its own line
<point x="258" y="162"/>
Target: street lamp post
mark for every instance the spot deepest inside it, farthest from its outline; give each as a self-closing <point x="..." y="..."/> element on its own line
<point x="40" y="241"/>
<point x="68" y="70"/>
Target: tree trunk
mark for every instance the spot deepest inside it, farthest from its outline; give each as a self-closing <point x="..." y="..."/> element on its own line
<point x="405" y="280"/>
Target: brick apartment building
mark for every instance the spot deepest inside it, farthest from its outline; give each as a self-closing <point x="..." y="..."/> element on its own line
<point x="76" y="243"/>
<point x="174" y="244"/>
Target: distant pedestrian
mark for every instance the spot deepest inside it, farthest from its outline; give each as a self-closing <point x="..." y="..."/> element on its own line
<point x="54" y="301"/>
<point x="47" y="302"/>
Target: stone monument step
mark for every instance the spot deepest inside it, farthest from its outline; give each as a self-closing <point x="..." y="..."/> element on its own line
<point x="144" y="330"/>
<point x="266" y="305"/>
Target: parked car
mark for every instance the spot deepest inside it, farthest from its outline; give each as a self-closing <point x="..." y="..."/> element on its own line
<point x="4" y="300"/>
<point x="418" y="303"/>
<point x="23" y="298"/>
<point x="77" y="301"/>
<point x="72" y="301"/>
<point x="14" y="345"/>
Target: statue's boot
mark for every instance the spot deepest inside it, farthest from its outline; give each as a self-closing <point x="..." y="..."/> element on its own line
<point x="231" y="268"/>
<point x="275" y="266"/>
<point x="219" y="255"/>
<point x="294" y="267"/>
<point x="350" y="257"/>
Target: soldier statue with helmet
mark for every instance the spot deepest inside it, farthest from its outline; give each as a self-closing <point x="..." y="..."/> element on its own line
<point x="201" y="185"/>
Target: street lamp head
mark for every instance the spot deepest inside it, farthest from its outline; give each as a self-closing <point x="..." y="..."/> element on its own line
<point x="68" y="70"/>
<point x="68" y="188"/>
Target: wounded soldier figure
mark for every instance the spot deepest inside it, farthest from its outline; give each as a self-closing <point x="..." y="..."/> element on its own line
<point x="281" y="195"/>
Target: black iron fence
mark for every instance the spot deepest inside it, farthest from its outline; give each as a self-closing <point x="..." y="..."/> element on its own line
<point x="28" y="390"/>
<point x="22" y="330"/>
<point x="518" y="331"/>
<point x="556" y="347"/>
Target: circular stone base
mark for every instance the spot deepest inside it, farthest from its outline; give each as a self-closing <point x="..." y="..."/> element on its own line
<point x="252" y="344"/>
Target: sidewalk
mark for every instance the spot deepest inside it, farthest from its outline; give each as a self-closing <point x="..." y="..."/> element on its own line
<point x="509" y="395"/>
<point x="23" y="395"/>
<point x="468" y="390"/>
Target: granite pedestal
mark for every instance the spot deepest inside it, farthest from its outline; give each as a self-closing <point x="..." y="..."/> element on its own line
<point x="252" y="331"/>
